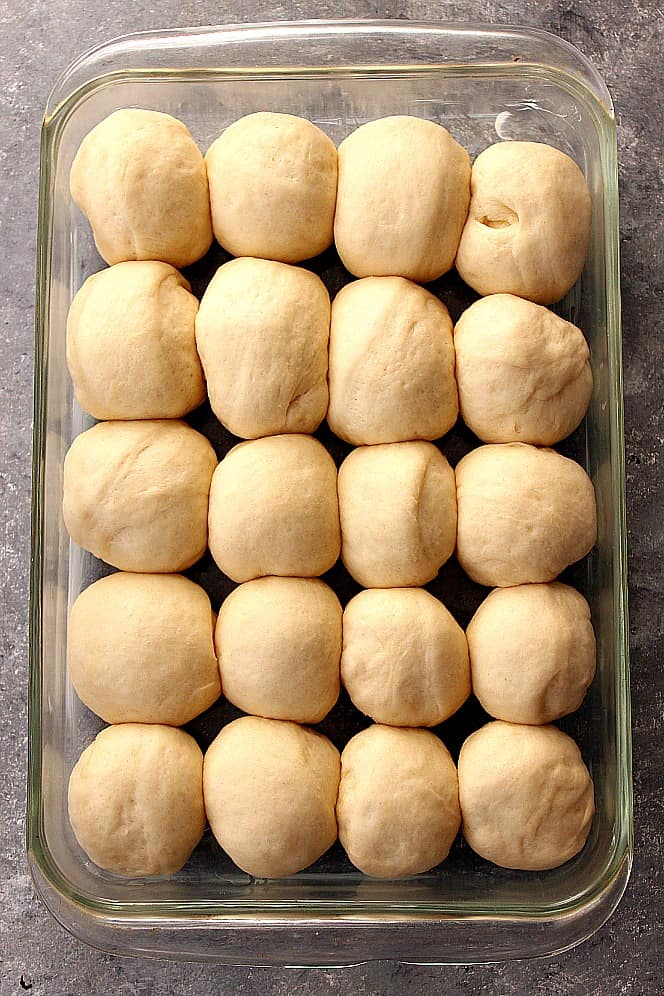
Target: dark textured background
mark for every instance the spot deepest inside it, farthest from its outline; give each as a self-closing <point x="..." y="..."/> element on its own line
<point x="624" y="40"/>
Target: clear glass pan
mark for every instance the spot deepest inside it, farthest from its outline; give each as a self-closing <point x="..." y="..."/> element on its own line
<point x="483" y="84"/>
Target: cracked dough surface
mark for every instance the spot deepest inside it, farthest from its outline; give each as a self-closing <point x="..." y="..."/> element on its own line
<point x="262" y="334"/>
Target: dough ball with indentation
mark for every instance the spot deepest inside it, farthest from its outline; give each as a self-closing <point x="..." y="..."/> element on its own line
<point x="131" y="348"/>
<point x="140" y="649"/>
<point x="523" y="373"/>
<point x="528" y="226"/>
<point x="405" y="658"/>
<point x="532" y="652"/>
<point x="279" y="641"/>
<point x="404" y="188"/>
<point x="270" y="791"/>
<point x="140" y="179"/>
<point x="273" y="187"/>
<point x="391" y="363"/>
<point x="397" y="506"/>
<point x="262" y="333"/>
<point x="398" y="805"/>
<point x="524" y="514"/>
<point x="274" y="509"/>
<point x="136" y="799"/>
<point x="136" y="494"/>
<point x="527" y="799"/>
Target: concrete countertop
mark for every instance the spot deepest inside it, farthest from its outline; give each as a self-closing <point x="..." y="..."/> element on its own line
<point x="624" y="40"/>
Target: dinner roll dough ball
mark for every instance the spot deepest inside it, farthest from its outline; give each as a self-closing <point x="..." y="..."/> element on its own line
<point x="523" y="373"/>
<point x="131" y="349"/>
<point x="526" y="796"/>
<point x="140" y="179"/>
<point x="136" y="799"/>
<point x="405" y="658"/>
<point x="270" y="790"/>
<point x="402" y="200"/>
<point x="274" y="509"/>
<point x="397" y="506"/>
<point x="391" y="363"/>
<point x="532" y="652"/>
<point x="279" y="643"/>
<point x="273" y="187"/>
<point x="528" y="226"/>
<point x="140" y="649"/>
<point x="398" y="805"/>
<point x="262" y="333"/>
<point x="525" y="514"/>
<point x="136" y="494"/>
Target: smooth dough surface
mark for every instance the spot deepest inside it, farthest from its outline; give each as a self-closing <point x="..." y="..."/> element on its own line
<point x="404" y="189"/>
<point x="270" y="791"/>
<point x="532" y="652"/>
<point x="524" y="374"/>
<point x="405" y="658"/>
<point x="279" y="642"/>
<point x="262" y="333"/>
<point x="131" y="348"/>
<point x="274" y="509"/>
<point x="397" y="506"/>
<point x="136" y="494"/>
<point x="273" y="187"/>
<point x="136" y="799"/>
<point x="524" y="514"/>
<point x="140" y="649"/>
<point x="391" y="363"/>
<point x="528" y="226"/>
<point x="398" y="805"/>
<point x="527" y="799"/>
<point x="140" y="179"/>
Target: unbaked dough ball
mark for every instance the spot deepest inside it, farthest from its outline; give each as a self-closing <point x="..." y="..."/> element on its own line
<point x="270" y="790"/>
<point x="532" y="652"/>
<point x="405" y="658"/>
<point x="398" y="805"/>
<point x="397" y="506"/>
<point x="525" y="514"/>
<point x="279" y="641"/>
<point x="526" y="796"/>
<point x="404" y="188"/>
<point x="528" y="226"/>
<point x="273" y="187"/>
<point x="131" y="348"/>
<point x="140" y="179"/>
<point x="391" y="363"/>
<point x="262" y="333"/>
<point x="136" y="494"/>
<point x="136" y="799"/>
<point x="523" y="373"/>
<point x="140" y="649"/>
<point x="274" y="509"/>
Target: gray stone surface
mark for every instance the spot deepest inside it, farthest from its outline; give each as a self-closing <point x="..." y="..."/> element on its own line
<point x="624" y="39"/>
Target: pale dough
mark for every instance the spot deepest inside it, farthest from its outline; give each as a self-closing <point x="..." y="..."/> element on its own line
<point x="391" y="363"/>
<point x="270" y="791"/>
<point x="136" y="494"/>
<point x="131" y="349"/>
<point x="279" y="641"/>
<point x="140" y="179"/>
<point x="136" y="799"/>
<point x="526" y="796"/>
<point x="262" y="333"/>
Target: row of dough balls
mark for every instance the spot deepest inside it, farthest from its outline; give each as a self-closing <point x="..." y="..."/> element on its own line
<point x="277" y="795"/>
<point x="149" y="496"/>
<point x="269" y="342"/>
<point x="147" y="648"/>
<point x="399" y="198"/>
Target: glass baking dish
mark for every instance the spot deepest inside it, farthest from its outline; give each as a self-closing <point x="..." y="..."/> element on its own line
<point x="483" y="84"/>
